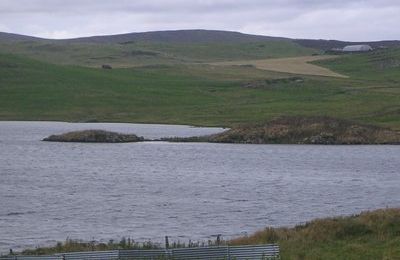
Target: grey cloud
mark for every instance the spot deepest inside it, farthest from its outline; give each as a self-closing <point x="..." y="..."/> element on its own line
<point x="337" y="19"/>
<point x="51" y="6"/>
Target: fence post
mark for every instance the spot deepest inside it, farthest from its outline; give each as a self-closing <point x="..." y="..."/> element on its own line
<point x="166" y="242"/>
<point x="229" y="254"/>
<point x="168" y="254"/>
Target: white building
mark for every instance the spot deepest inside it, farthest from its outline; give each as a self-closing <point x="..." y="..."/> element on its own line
<point x="357" y="48"/>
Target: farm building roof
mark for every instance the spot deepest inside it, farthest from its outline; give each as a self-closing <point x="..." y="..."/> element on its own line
<point x="363" y="47"/>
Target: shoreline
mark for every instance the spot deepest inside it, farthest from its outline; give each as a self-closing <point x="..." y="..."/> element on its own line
<point x="316" y="238"/>
<point x="284" y="130"/>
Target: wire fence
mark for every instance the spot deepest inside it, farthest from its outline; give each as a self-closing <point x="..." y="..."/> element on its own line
<point x="258" y="252"/>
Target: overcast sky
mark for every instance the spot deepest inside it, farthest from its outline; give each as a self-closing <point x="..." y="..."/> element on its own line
<point x="357" y="20"/>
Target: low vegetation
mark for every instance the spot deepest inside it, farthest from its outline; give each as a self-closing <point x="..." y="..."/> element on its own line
<point x="369" y="235"/>
<point x="94" y="136"/>
<point x="302" y="130"/>
<point x="73" y="245"/>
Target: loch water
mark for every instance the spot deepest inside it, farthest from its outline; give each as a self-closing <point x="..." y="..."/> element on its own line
<point x="53" y="191"/>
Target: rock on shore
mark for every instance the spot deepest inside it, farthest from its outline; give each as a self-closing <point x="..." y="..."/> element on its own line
<point x="94" y="136"/>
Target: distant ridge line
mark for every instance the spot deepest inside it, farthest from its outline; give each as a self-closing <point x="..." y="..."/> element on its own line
<point x="195" y="36"/>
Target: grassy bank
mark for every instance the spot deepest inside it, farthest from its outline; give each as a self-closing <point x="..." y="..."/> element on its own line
<point x="369" y="235"/>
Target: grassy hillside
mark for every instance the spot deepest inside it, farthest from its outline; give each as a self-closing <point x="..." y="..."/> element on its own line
<point x="169" y="77"/>
<point x="330" y="44"/>
<point x="380" y="66"/>
<point x="179" y="36"/>
<point x="370" y="235"/>
<point x="149" y="48"/>
<point x="377" y="72"/>
<point x="185" y="94"/>
<point x="141" y="53"/>
<point x="4" y="37"/>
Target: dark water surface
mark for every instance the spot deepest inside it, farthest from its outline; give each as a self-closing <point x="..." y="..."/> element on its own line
<point x="51" y="191"/>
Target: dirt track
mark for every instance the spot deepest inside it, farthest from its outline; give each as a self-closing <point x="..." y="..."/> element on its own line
<point x="296" y="65"/>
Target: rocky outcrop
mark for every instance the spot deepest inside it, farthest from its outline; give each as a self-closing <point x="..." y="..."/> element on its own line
<point x="94" y="136"/>
<point x="303" y="130"/>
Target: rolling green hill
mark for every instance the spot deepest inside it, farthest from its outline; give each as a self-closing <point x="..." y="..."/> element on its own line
<point x="198" y="94"/>
<point x="166" y="47"/>
<point x="380" y="66"/>
<point x="180" y="36"/>
<point x="172" y="77"/>
<point x="329" y="44"/>
<point x="138" y="49"/>
<point x="150" y="53"/>
<point x="377" y="72"/>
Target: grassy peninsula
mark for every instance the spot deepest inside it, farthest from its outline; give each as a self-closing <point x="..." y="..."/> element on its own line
<point x="301" y="130"/>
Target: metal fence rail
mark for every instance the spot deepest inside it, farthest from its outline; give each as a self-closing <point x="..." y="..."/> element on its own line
<point x="143" y="254"/>
<point x="254" y="252"/>
<point x="260" y="252"/>
<point x="44" y="257"/>
<point x="216" y="253"/>
<point x="99" y="255"/>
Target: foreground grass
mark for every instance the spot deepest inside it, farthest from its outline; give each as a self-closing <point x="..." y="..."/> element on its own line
<point x="369" y="235"/>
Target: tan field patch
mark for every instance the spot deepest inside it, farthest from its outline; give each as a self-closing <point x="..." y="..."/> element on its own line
<point x="295" y="65"/>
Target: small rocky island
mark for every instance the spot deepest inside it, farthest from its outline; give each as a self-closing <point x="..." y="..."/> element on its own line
<point x="94" y="136"/>
<point x="302" y="130"/>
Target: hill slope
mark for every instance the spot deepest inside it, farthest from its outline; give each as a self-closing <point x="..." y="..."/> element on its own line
<point x="176" y="82"/>
<point x="4" y="37"/>
<point x="179" y="36"/>
<point x="166" y="47"/>
<point x="186" y="94"/>
<point x="329" y="44"/>
<point x="149" y="48"/>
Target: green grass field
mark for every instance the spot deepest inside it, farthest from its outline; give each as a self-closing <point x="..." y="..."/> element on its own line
<point x="197" y="94"/>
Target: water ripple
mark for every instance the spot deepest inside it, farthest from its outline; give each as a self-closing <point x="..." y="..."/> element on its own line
<point x="51" y="191"/>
